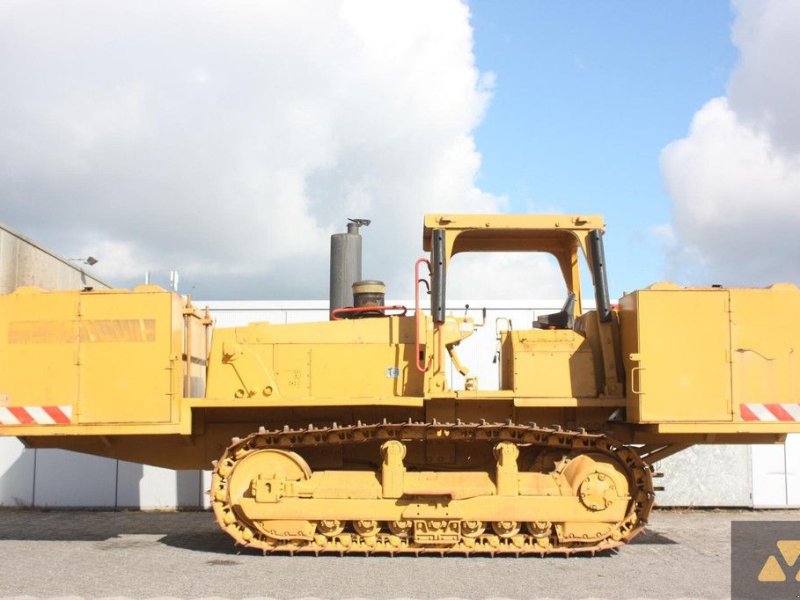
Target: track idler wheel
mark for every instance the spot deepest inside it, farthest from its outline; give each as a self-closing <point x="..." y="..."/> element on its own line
<point x="266" y="475"/>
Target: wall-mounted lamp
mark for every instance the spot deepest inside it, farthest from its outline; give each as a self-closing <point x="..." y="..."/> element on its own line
<point x="89" y="260"/>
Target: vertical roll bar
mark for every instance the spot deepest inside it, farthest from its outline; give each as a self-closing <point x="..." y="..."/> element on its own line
<point x="599" y="275"/>
<point x="438" y="276"/>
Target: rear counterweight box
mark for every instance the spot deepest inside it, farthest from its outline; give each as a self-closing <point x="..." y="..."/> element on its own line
<point x="706" y="354"/>
<point x="100" y="356"/>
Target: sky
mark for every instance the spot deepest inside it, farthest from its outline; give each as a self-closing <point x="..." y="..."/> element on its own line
<point x="227" y="141"/>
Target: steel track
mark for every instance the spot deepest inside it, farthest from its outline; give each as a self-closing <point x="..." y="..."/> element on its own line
<point x="572" y="442"/>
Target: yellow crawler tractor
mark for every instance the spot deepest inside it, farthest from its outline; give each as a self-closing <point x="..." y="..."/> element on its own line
<point x="347" y="435"/>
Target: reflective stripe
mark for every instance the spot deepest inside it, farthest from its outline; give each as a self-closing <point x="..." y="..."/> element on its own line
<point x="762" y="412"/>
<point x="747" y="414"/>
<point x="794" y="410"/>
<point x="35" y="415"/>
<point x="6" y="418"/>
<point x="21" y="414"/>
<point x="39" y="415"/>
<point x="770" y="412"/>
<point x="60" y="414"/>
<point x="779" y="412"/>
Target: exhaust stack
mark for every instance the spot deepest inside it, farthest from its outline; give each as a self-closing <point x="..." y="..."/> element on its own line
<point x="345" y="264"/>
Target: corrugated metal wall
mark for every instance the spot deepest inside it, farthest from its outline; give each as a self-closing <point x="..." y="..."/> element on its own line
<point x="760" y="476"/>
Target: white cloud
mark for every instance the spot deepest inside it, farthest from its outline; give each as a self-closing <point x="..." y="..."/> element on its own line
<point x="735" y="179"/>
<point x="764" y="89"/>
<point x="228" y="140"/>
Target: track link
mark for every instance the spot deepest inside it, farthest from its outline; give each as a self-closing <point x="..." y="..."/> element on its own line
<point x="574" y="442"/>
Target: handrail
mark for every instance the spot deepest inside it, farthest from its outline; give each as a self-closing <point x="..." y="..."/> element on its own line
<point x="418" y="313"/>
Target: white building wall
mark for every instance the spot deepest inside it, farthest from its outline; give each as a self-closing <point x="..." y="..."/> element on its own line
<point x="760" y="476"/>
<point x="17" y="469"/>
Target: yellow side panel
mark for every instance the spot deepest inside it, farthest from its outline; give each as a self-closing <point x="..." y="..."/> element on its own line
<point x="125" y="366"/>
<point x="765" y="339"/>
<point x="39" y="349"/>
<point x="551" y="364"/>
<point x="369" y="359"/>
<point x="342" y="370"/>
<point x="365" y="370"/>
<point x="683" y="368"/>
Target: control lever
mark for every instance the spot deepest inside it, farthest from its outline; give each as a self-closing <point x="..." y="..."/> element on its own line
<point x="483" y="316"/>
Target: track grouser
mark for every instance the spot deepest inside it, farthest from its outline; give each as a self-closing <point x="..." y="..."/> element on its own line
<point x="350" y="435"/>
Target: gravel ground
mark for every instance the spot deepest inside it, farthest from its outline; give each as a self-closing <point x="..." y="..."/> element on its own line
<point x="684" y="554"/>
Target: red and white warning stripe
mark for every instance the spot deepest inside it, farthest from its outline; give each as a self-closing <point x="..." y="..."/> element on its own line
<point x="770" y="412"/>
<point x="35" y="415"/>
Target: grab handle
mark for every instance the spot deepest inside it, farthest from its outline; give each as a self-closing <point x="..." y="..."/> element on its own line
<point x="635" y="370"/>
<point x="422" y="368"/>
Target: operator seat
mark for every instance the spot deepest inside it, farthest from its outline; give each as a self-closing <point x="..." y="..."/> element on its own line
<point x="563" y="319"/>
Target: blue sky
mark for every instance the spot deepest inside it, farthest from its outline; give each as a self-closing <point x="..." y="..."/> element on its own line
<point x="586" y="96"/>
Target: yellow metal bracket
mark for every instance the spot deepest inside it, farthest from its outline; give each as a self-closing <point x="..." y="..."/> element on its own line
<point x="255" y="378"/>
